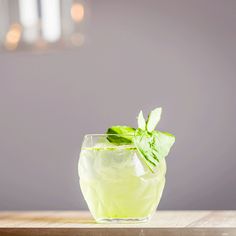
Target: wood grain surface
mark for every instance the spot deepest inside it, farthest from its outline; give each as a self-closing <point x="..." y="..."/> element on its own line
<point x="164" y="223"/>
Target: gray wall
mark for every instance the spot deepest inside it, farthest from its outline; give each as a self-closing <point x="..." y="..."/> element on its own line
<point x="177" y="54"/>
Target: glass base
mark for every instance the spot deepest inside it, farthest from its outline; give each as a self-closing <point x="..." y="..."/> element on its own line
<point x="123" y="220"/>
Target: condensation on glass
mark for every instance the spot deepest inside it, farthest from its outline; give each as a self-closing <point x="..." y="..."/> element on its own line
<point x="42" y="24"/>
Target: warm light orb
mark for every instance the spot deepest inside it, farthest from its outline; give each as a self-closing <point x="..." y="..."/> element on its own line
<point x="13" y="36"/>
<point x="77" y="12"/>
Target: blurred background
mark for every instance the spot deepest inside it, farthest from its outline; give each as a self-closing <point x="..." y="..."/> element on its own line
<point x="68" y="68"/>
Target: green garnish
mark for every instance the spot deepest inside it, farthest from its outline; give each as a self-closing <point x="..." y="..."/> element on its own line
<point x="123" y="134"/>
<point x="153" y="119"/>
<point x="141" y="121"/>
<point x="152" y="145"/>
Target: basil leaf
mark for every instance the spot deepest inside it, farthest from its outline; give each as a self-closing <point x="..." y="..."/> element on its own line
<point x="120" y="135"/>
<point x="153" y="146"/>
<point x="153" y="119"/>
<point x="141" y="121"/>
<point x="163" y="143"/>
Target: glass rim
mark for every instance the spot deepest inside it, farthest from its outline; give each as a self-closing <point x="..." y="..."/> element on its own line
<point x="100" y="135"/>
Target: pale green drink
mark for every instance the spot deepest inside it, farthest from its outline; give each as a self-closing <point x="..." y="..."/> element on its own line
<point x="117" y="184"/>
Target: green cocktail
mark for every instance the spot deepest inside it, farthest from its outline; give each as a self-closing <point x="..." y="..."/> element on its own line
<point x="122" y="173"/>
<point x="117" y="184"/>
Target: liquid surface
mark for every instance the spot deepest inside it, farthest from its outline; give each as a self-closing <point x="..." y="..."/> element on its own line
<point x="117" y="184"/>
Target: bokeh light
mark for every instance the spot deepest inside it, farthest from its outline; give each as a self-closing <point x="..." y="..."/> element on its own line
<point x="13" y="36"/>
<point x="77" y="12"/>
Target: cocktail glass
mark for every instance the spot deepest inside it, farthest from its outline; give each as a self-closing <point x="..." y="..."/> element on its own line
<point x="116" y="183"/>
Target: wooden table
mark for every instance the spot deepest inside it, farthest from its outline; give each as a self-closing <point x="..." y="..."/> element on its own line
<point x="164" y="223"/>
